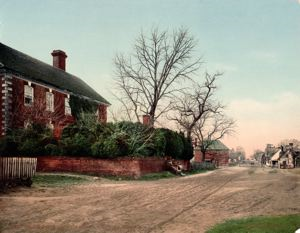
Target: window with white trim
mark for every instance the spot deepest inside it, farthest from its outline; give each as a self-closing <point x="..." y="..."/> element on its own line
<point x="49" y="101"/>
<point x="50" y="125"/>
<point x="67" y="107"/>
<point x="28" y="95"/>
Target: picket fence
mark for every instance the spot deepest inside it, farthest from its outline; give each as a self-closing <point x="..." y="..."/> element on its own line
<point x="17" y="168"/>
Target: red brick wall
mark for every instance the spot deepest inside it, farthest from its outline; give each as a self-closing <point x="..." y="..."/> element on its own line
<point x="219" y="157"/>
<point x="119" y="167"/>
<point x="102" y="113"/>
<point x="37" y="112"/>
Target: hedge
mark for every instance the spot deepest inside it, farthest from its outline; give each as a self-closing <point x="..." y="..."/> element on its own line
<point x="87" y="137"/>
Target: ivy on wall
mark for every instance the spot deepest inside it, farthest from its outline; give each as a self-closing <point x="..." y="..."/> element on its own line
<point x="79" y="105"/>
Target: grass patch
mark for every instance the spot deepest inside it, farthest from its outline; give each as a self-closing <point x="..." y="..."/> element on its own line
<point x="157" y="176"/>
<point x="55" y="180"/>
<point x="154" y="176"/>
<point x="150" y="176"/>
<point x="260" y="224"/>
<point x="197" y="171"/>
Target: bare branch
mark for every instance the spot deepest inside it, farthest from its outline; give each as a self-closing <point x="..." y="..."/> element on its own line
<point x="150" y="76"/>
<point x="193" y="105"/>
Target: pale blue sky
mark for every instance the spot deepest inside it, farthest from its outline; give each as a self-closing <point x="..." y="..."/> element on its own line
<point x="255" y="42"/>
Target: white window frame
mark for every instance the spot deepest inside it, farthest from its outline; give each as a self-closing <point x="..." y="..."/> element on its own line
<point x="50" y="125"/>
<point x="28" y="94"/>
<point x="49" y="101"/>
<point x="67" y="106"/>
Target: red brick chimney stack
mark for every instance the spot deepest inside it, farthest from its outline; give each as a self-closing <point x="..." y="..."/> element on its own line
<point x="59" y="59"/>
<point x="146" y="120"/>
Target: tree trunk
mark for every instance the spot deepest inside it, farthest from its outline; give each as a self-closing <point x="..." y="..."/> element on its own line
<point x="189" y="133"/>
<point x="151" y="120"/>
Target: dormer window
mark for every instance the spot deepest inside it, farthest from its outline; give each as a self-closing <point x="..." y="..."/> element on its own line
<point x="49" y="101"/>
<point x="67" y="106"/>
<point x="28" y="95"/>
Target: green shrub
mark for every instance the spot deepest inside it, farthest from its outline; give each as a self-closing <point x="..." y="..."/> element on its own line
<point x="29" y="141"/>
<point x="31" y="147"/>
<point x="69" y="131"/>
<point x="79" y="105"/>
<point x="160" y="143"/>
<point x="188" y="150"/>
<point x="136" y="138"/>
<point x="174" y="144"/>
<point x="107" y="148"/>
<point x="87" y="137"/>
<point x="131" y="128"/>
<point x="52" y="149"/>
<point x="79" y="144"/>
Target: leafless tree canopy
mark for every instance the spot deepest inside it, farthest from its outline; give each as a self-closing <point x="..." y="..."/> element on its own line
<point x="196" y="104"/>
<point x="156" y="70"/>
<point x="211" y="127"/>
<point x="198" y="113"/>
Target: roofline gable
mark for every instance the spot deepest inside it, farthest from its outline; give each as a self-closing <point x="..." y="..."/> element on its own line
<point x="43" y="73"/>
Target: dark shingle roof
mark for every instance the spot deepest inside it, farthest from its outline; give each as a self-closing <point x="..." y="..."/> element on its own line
<point x="41" y="72"/>
<point x="217" y="145"/>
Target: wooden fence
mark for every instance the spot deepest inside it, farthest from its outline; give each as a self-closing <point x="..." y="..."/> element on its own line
<point x="12" y="168"/>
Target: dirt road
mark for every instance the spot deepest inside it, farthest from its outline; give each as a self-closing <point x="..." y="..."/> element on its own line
<point x="187" y="204"/>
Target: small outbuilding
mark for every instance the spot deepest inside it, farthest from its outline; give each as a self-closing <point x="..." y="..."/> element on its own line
<point x="216" y="153"/>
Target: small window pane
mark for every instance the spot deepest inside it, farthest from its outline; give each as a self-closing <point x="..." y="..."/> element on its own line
<point x="49" y="101"/>
<point x="67" y="106"/>
<point x="28" y="95"/>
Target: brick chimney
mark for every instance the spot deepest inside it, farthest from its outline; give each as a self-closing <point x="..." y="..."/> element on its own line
<point x="146" y="120"/>
<point x="59" y="59"/>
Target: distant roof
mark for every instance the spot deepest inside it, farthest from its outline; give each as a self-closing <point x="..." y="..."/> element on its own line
<point x="276" y="156"/>
<point x="41" y="72"/>
<point x="217" y="145"/>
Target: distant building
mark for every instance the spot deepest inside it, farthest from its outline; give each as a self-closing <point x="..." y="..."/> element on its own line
<point x="217" y="153"/>
<point x="32" y="89"/>
<point x="286" y="157"/>
<point x="270" y="150"/>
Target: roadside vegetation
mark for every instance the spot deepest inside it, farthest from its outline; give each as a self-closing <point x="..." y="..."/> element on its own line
<point x="87" y="137"/>
<point x="260" y="224"/>
<point x="167" y="174"/>
<point x="58" y="180"/>
<point x="65" y="179"/>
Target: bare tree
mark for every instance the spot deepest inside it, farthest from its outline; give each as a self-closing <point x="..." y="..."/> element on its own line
<point x="193" y="105"/>
<point x="148" y="79"/>
<point x="257" y="154"/>
<point x="198" y="113"/>
<point x="212" y="127"/>
<point x="285" y="142"/>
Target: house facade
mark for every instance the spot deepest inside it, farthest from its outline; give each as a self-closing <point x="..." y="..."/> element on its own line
<point x="216" y="153"/>
<point x="33" y="91"/>
<point x="286" y="157"/>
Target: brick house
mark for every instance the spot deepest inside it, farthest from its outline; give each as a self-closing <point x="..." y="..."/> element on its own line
<point x="32" y="90"/>
<point x="217" y="153"/>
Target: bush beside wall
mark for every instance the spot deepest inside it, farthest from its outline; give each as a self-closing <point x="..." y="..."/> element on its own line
<point x="87" y="137"/>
